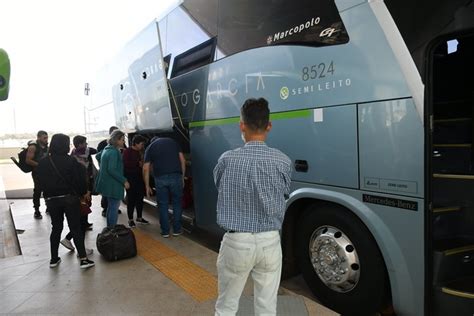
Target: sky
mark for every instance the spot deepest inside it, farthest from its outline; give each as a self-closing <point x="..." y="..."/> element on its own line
<point x="55" y="47"/>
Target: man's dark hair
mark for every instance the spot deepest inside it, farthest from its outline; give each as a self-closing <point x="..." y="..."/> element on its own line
<point x="255" y="114"/>
<point x="41" y="133"/>
<point x="137" y="139"/>
<point x="79" y="140"/>
<point x="112" y="128"/>
<point x="59" y="145"/>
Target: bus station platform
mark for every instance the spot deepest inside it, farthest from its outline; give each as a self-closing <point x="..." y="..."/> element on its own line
<point x="174" y="276"/>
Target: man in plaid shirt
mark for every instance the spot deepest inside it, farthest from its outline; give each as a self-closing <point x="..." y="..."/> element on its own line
<point x="252" y="182"/>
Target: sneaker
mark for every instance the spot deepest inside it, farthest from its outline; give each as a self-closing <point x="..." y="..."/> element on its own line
<point x="86" y="263"/>
<point x="131" y="223"/>
<point x="53" y="263"/>
<point x="165" y="235"/>
<point x="38" y="215"/>
<point x="176" y="234"/>
<point x="104" y="213"/>
<point x="142" y="221"/>
<point x="89" y="251"/>
<point x="67" y="243"/>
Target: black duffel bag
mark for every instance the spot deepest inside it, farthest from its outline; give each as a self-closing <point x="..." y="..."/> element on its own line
<point x="117" y="243"/>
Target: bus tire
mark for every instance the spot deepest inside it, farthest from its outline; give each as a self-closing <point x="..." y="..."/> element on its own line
<point x="352" y="278"/>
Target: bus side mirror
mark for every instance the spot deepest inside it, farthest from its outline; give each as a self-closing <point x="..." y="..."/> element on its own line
<point x="4" y="75"/>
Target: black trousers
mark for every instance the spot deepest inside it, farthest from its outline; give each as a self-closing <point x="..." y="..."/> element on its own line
<point x="36" y="191"/>
<point x="69" y="206"/>
<point x="135" y="196"/>
<point x="83" y="224"/>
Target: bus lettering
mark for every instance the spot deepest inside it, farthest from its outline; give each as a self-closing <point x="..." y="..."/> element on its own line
<point x="317" y="71"/>
<point x="232" y="91"/>
<point x="328" y="32"/>
<point x="184" y="100"/>
<point x="259" y="81"/>
<point x="331" y="68"/>
<point x="219" y="89"/>
<point x="328" y="85"/>
<point x="390" y="202"/>
<point x="298" y="29"/>
<point x="196" y="96"/>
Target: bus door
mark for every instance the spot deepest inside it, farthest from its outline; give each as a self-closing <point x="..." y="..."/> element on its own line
<point x="451" y="96"/>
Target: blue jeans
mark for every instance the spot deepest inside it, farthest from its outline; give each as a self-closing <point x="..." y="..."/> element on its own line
<point x="112" y="211"/>
<point x="165" y="185"/>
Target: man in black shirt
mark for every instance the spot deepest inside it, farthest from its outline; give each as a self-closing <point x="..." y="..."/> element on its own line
<point x="36" y="151"/>
<point x="169" y="166"/>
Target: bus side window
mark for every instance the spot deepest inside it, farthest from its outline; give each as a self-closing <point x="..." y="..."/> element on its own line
<point x="183" y="33"/>
<point x="194" y="58"/>
<point x="166" y="61"/>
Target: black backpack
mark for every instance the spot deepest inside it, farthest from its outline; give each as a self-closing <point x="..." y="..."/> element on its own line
<point x="21" y="162"/>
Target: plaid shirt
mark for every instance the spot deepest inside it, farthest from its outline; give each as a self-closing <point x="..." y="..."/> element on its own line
<point x="252" y="182"/>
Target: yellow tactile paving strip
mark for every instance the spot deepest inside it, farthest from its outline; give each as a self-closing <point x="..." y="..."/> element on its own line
<point x="199" y="283"/>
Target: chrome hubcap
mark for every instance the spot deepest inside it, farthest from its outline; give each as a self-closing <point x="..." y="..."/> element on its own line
<point x="334" y="259"/>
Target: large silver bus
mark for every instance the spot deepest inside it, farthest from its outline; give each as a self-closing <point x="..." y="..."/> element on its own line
<point x="372" y="100"/>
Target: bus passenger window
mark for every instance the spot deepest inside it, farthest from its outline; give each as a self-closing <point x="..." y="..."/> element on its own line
<point x="183" y="32"/>
<point x="194" y="58"/>
<point x="247" y="24"/>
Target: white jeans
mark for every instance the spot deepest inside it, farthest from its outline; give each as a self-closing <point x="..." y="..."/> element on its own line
<point x="241" y="254"/>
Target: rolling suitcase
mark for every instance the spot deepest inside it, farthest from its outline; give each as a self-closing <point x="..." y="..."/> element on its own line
<point x="117" y="243"/>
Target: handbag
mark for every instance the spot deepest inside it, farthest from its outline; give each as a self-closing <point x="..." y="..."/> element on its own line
<point x="85" y="207"/>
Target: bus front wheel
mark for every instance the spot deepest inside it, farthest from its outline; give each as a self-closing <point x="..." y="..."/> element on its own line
<point x="340" y="261"/>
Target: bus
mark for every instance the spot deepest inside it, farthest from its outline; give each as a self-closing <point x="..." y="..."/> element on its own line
<point x="372" y="100"/>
